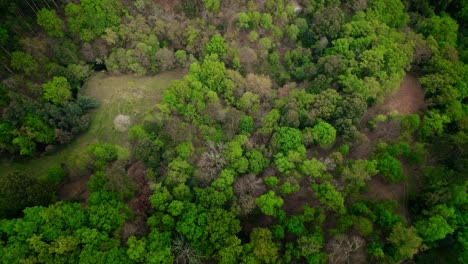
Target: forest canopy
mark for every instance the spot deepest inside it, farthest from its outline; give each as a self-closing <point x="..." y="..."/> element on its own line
<point x="301" y="131"/>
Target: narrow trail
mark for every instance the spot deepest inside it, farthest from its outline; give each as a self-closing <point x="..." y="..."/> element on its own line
<point x="408" y="99"/>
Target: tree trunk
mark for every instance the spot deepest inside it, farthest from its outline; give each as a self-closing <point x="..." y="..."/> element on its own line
<point x="24" y="20"/>
<point x="55" y="4"/>
<point x="30" y="6"/>
<point x="47" y="3"/>
<point x="34" y="3"/>
<point x="7" y="68"/>
<point x="6" y="51"/>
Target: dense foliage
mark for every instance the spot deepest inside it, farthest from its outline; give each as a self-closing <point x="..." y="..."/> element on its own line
<point x="252" y="157"/>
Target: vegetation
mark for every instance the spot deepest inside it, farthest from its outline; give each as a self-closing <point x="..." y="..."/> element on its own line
<point x="274" y="143"/>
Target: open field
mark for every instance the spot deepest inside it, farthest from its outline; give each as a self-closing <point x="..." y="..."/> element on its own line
<point x="125" y="95"/>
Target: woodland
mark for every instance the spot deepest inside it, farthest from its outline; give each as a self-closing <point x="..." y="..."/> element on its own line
<point x="234" y="131"/>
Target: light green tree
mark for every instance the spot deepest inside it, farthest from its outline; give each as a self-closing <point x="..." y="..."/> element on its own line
<point x="58" y="90"/>
<point x="269" y="203"/>
<point x="52" y="24"/>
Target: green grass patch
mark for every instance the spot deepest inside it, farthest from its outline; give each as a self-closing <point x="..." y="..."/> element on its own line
<point x="127" y="95"/>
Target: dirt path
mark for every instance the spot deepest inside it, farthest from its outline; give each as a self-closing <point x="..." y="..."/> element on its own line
<point x="408" y="99"/>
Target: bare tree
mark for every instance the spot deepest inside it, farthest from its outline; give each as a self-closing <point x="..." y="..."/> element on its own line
<point x="245" y="204"/>
<point x="345" y="249"/>
<point x="184" y="253"/>
<point x="250" y="185"/>
<point x="211" y="162"/>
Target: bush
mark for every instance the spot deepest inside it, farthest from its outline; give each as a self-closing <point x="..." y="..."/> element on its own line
<point x="55" y="175"/>
<point x="409" y="123"/>
<point x="344" y="149"/>
<point x="86" y="103"/>
<point x="181" y="58"/>
<point x="287" y="188"/>
<point x="103" y="153"/>
<point x="271" y="181"/>
<point x="295" y="225"/>
<point x="390" y="168"/>
<point x="363" y="226"/>
<point x="246" y="124"/>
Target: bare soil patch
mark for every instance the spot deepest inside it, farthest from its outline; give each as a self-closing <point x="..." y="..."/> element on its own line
<point x="379" y="190"/>
<point x="295" y="202"/>
<point x="139" y="204"/>
<point x="408" y="99"/>
<point x="75" y="190"/>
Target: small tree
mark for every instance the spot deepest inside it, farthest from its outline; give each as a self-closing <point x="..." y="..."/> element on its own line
<point x="269" y="203"/>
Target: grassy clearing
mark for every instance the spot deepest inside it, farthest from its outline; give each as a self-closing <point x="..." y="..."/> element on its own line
<point x="126" y="95"/>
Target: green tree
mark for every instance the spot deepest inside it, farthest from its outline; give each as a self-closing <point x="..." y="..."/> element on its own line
<point x="257" y="162"/>
<point x="433" y="124"/>
<point x="405" y="241"/>
<point x="161" y="197"/>
<point x="25" y="62"/>
<point x="313" y="168"/>
<point x="324" y="133"/>
<point x="58" y="90"/>
<point x="159" y="247"/>
<point x="390" y="168"/>
<point x="50" y="22"/>
<point x="262" y="246"/>
<point x="328" y="195"/>
<point x="103" y="154"/>
<point x="311" y="244"/>
<point x="90" y="18"/>
<point x="18" y="190"/>
<point x="390" y="12"/>
<point x="178" y="172"/>
<point x="433" y="229"/>
<point x="212" y="5"/>
<point x="136" y="249"/>
<point x="34" y="130"/>
<point x="216" y="45"/>
<point x="181" y="57"/>
<point x="359" y="171"/>
<point x="287" y="139"/>
<point x="269" y="203"/>
<point x="443" y="28"/>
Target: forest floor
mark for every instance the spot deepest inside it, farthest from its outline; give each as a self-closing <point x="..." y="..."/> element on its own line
<point x="408" y="99"/>
<point x="127" y="95"/>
